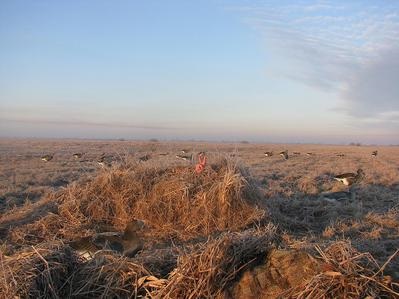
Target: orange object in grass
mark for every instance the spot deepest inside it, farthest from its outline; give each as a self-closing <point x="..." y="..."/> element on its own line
<point x="201" y="163"/>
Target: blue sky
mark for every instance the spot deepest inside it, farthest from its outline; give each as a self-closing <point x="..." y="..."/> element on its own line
<point x="267" y="71"/>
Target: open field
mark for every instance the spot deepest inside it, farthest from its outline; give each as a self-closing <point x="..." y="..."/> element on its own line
<point x="244" y="215"/>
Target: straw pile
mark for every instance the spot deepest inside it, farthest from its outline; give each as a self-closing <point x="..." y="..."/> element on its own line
<point x="347" y="273"/>
<point x="37" y="272"/>
<point x="57" y="272"/>
<point x="207" y="271"/>
<point x="176" y="203"/>
<point x="202" y="270"/>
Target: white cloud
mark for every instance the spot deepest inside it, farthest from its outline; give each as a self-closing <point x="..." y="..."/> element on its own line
<point x="374" y="90"/>
<point x="351" y="49"/>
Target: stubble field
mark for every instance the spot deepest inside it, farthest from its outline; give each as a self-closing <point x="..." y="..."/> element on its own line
<point x="229" y="225"/>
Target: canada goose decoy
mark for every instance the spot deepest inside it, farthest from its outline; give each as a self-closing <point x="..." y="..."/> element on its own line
<point x="284" y="154"/>
<point x="101" y="161"/>
<point x="374" y="154"/>
<point x="144" y="158"/>
<point x="350" y="178"/>
<point x="127" y="244"/>
<point x="87" y="247"/>
<point x="163" y="154"/>
<point x="296" y="153"/>
<point x="77" y="155"/>
<point x="309" y="154"/>
<point x="47" y="158"/>
<point x="268" y="154"/>
<point x="340" y="155"/>
<point x="185" y="157"/>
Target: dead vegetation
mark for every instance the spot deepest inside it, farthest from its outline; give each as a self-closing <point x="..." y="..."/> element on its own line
<point x="209" y="235"/>
<point x="238" y="265"/>
<point x="175" y="202"/>
<point x="210" y="269"/>
<point x="346" y="273"/>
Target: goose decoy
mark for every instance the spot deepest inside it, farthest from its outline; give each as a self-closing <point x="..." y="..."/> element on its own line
<point x="296" y="153"/>
<point x="350" y="178"/>
<point x="102" y="161"/>
<point x="309" y="154"/>
<point x="374" y="154"/>
<point x="340" y="155"/>
<point x="77" y="155"/>
<point x="47" y="158"/>
<point x="144" y="158"/>
<point x="127" y="244"/>
<point x="163" y="154"/>
<point x="184" y="151"/>
<point x="86" y="247"/>
<point x="268" y="154"/>
<point x="185" y="157"/>
<point x="284" y="154"/>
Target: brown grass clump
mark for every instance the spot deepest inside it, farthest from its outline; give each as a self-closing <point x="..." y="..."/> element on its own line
<point x="176" y="202"/>
<point x="37" y="272"/>
<point x="347" y="273"/>
<point x="373" y="225"/>
<point x="56" y="272"/>
<point x="108" y="276"/>
<point x="206" y="272"/>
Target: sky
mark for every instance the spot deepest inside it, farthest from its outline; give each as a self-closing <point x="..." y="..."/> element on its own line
<point x="218" y="70"/>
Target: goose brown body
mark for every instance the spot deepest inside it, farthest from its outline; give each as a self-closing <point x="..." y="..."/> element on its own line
<point x="127" y="244"/>
<point x="47" y="158"/>
<point x="185" y="157"/>
<point x="284" y="154"/>
<point x="268" y="154"/>
<point x="144" y="158"/>
<point x="349" y="178"/>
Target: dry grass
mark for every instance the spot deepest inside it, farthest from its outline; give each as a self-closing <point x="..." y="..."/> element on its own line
<point x="37" y="272"/>
<point x="207" y="272"/>
<point x="57" y="272"/>
<point x="347" y="273"/>
<point x="175" y="203"/>
<point x="198" y="243"/>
